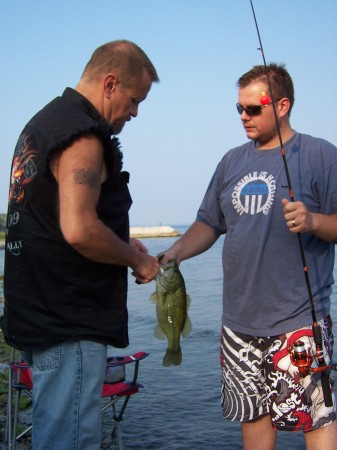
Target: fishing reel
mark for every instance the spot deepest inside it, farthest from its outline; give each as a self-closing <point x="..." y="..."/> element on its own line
<point x="301" y="358"/>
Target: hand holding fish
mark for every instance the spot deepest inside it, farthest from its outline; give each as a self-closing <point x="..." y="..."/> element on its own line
<point x="167" y="256"/>
<point x="171" y="254"/>
<point x="197" y="239"/>
<point x="147" y="267"/>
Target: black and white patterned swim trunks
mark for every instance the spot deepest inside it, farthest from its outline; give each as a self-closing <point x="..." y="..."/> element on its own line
<point x="259" y="378"/>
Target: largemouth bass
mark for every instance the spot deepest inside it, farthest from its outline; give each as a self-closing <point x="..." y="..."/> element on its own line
<point x="172" y="304"/>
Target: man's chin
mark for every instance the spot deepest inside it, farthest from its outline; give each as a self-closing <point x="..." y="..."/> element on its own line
<point x="116" y="128"/>
<point x="250" y="134"/>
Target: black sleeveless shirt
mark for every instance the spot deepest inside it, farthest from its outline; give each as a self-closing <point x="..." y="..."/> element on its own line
<point x="52" y="293"/>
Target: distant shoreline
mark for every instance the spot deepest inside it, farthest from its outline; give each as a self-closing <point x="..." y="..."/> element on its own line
<point x="159" y="231"/>
<point x="141" y="232"/>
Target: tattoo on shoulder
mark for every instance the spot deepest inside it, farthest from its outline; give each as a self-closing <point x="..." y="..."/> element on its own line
<point x="83" y="176"/>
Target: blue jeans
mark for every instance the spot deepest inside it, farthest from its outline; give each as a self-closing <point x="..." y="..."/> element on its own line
<point x="67" y="382"/>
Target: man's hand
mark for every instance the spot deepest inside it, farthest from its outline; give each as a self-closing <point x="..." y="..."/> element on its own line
<point x="147" y="268"/>
<point x="297" y="216"/>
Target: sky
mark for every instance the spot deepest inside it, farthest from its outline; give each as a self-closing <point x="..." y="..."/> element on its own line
<point x="189" y="120"/>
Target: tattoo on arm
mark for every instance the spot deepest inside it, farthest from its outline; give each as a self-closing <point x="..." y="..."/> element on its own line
<point x="83" y="176"/>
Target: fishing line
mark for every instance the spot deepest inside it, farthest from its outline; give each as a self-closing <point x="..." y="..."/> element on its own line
<point x="317" y="335"/>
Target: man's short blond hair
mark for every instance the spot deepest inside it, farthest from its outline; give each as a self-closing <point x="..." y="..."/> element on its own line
<point x="123" y="58"/>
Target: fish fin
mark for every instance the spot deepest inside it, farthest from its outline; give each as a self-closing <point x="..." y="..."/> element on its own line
<point x="153" y="297"/>
<point x="187" y="327"/>
<point x="188" y="301"/>
<point x="172" y="358"/>
<point x="159" y="333"/>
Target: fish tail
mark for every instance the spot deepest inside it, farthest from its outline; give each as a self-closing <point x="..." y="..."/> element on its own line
<point x="172" y="357"/>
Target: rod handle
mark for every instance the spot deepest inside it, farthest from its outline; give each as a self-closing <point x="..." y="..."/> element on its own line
<point x="324" y="375"/>
<point x="326" y="389"/>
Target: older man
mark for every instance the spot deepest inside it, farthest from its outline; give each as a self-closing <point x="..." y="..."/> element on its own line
<point x="68" y="248"/>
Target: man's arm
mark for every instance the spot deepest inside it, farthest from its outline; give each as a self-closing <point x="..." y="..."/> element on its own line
<point x="197" y="239"/>
<point x="80" y="171"/>
<point x="324" y="226"/>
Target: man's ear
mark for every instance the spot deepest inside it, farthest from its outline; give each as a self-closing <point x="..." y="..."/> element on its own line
<point x="284" y="106"/>
<point x="110" y="82"/>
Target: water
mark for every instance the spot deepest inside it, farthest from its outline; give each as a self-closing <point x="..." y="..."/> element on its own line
<point x="179" y="407"/>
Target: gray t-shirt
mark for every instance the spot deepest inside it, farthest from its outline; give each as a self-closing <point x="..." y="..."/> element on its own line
<point x="265" y="291"/>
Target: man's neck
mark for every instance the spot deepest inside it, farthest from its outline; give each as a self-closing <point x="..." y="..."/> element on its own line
<point x="90" y="92"/>
<point x="286" y="134"/>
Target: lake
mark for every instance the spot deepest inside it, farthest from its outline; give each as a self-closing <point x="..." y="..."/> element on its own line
<point x="179" y="407"/>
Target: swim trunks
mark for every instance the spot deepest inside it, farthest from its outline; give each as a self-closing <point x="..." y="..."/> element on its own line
<point x="260" y="376"/>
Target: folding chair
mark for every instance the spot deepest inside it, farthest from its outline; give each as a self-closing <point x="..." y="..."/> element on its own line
<point x="115" y="389"/>
<point x="19" y="381"/>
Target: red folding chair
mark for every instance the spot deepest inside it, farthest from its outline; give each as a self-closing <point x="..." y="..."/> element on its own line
<point x="19" y="381"/>
<point x="115" y="390"/>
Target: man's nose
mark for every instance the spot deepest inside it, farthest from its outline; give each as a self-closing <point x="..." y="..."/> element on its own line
<point x="134" y="111"/>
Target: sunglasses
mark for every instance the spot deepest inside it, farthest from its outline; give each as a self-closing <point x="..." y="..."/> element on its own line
<point x="251" y="110"/>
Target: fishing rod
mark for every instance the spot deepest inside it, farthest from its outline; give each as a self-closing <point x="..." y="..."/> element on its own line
<point x="300" y="356"/>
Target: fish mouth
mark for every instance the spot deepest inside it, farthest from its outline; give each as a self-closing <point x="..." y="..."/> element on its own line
<point x="167" y="269"/>
<point x="167" y="277"/>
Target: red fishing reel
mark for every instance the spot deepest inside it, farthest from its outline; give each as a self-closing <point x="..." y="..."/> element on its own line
<point x="301" y="358"/>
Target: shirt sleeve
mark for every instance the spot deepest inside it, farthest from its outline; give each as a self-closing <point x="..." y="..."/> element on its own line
<point x="210" y="211"/>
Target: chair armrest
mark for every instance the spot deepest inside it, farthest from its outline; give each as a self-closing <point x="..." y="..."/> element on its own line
<point x="22" y="375"/>
<point x="113" y="361"/>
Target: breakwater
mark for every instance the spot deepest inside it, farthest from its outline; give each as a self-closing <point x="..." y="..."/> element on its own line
<point x="141" y="232"/>
<point x="153" y="232"/>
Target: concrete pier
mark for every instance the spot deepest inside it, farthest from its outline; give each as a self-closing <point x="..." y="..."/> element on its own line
<point x="141" y="232"/>
<point x="159" y="231"/>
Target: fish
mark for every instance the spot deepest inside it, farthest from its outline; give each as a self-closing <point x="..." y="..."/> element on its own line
<point x="172" y="305"/>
